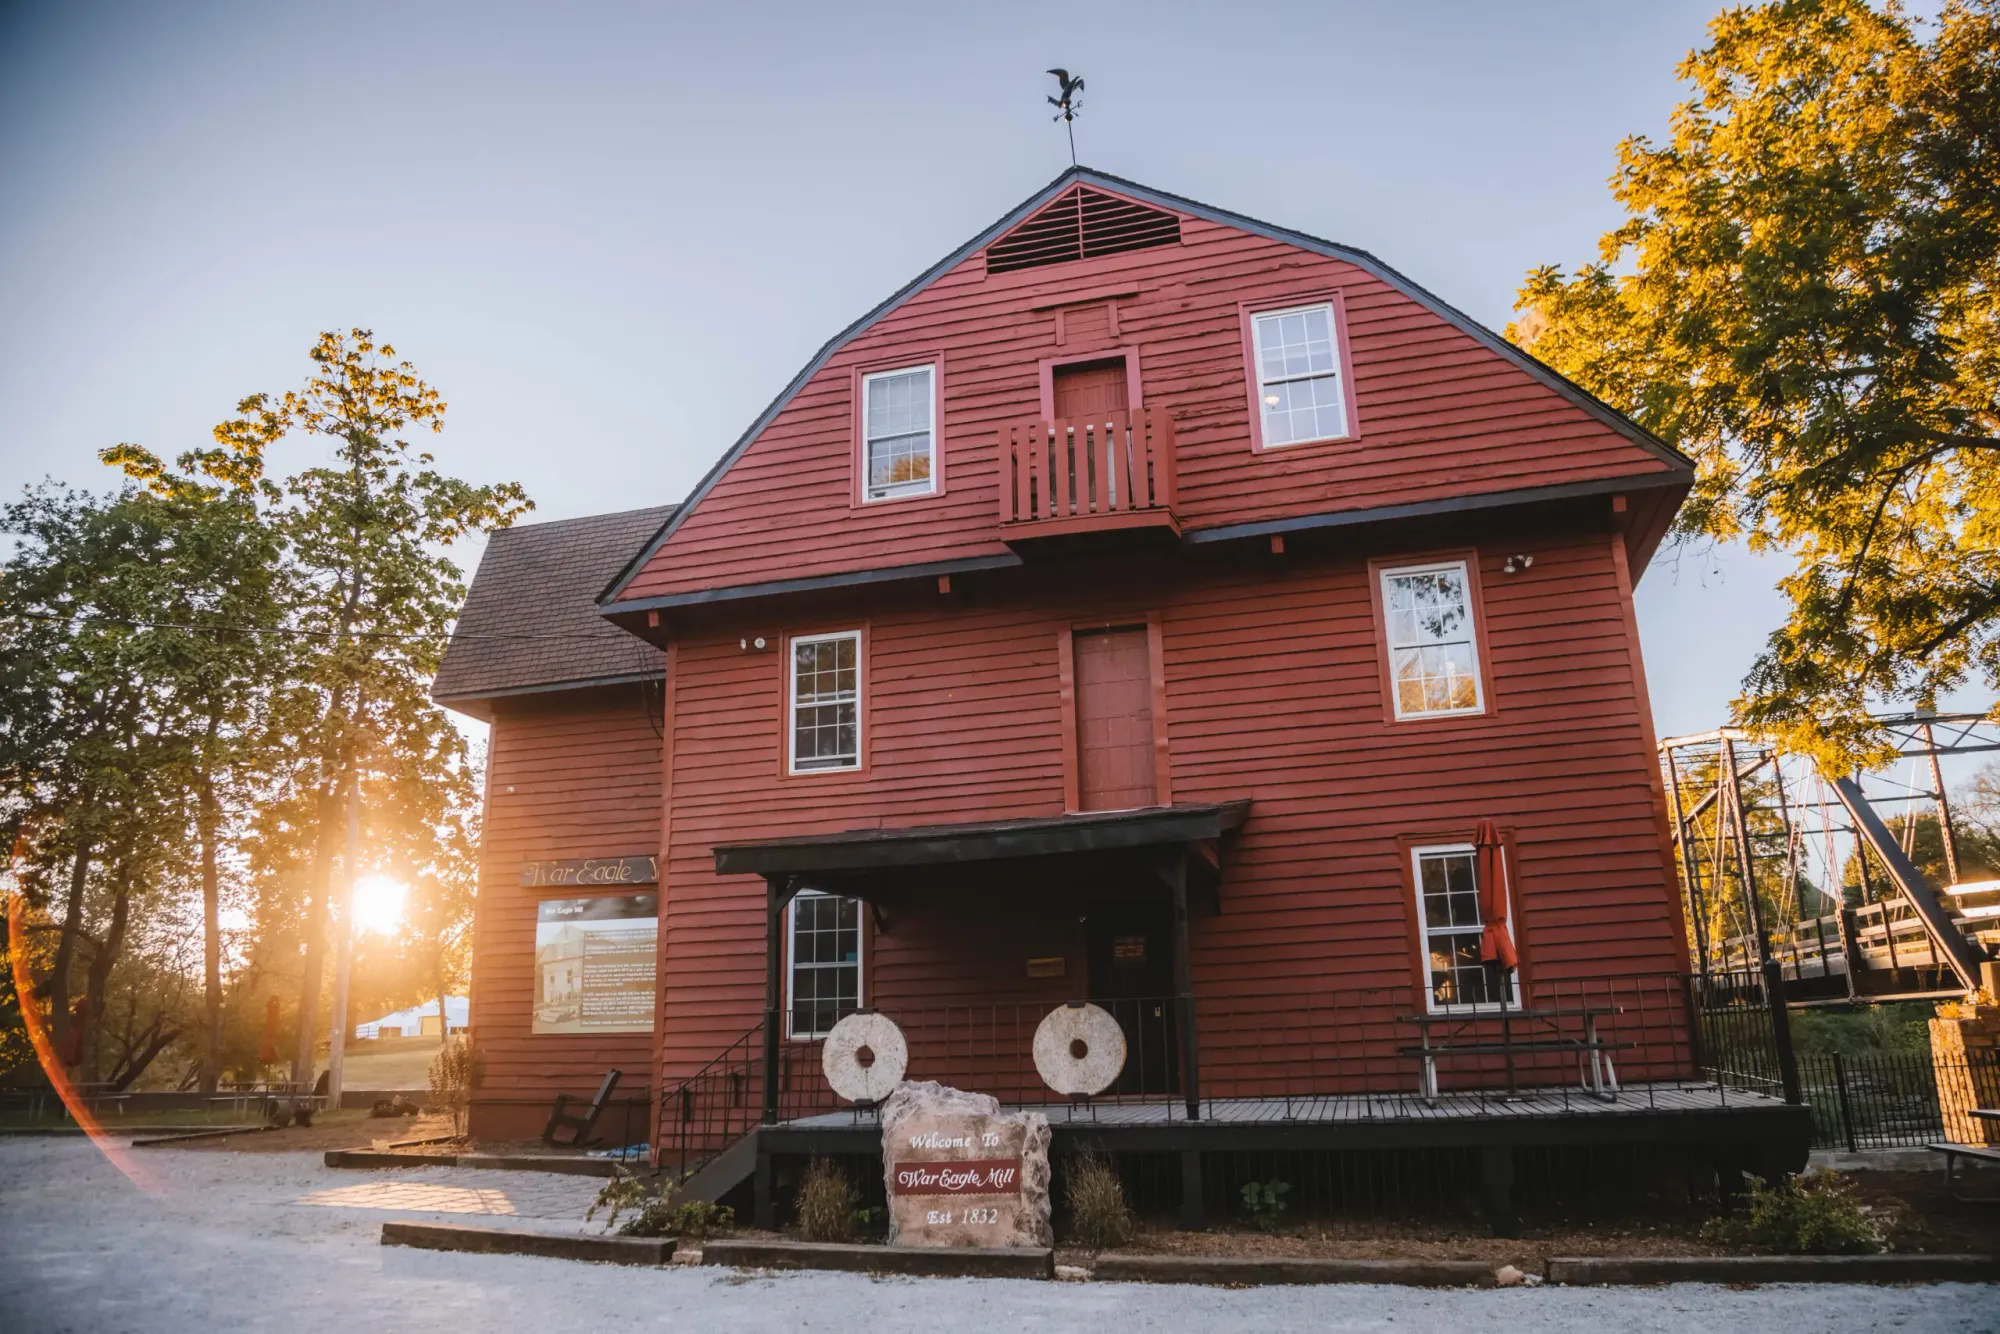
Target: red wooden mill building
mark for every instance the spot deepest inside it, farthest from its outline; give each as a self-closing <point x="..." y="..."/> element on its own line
<point x="1146" y="605"/>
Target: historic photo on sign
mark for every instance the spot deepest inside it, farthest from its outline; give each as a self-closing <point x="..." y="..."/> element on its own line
<point x="594" y="964"/>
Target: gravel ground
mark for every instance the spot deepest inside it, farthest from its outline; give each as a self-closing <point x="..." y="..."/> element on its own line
<point x="276" y="1241"/>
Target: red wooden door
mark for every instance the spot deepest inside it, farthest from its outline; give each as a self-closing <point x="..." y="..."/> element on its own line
<point x="1114" y="720"/>
<point x="1090" y="389"/>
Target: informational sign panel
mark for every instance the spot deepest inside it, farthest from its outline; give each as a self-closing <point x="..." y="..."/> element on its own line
<point x="595" y="969"/>
<point x="960" y="1172"/>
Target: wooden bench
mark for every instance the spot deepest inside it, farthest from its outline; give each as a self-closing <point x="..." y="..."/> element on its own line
<point x="1596" y="1072"/>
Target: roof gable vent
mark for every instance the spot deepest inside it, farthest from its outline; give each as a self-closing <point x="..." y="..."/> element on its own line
<point x="1082" y="224"/>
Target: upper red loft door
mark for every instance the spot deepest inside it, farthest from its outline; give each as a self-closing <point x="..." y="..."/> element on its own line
<point x="1090" y="389"/>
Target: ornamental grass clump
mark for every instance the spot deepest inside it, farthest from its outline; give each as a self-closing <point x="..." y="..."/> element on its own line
<point x="457" y="1071"/>
<point x="1813" y="1214"/>
<point x="1099" y="1217"/>
<point x="829" y="1206"/>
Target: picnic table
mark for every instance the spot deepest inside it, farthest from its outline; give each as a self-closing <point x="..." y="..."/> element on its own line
<point x="94" y="1096"/>
<point x="1977" y="1152"/>
<point x="265" y="1093"/>
<point x="1468" y="1033"/>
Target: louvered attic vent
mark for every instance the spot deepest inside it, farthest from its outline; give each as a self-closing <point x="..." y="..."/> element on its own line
<point x="1082" y="224"/>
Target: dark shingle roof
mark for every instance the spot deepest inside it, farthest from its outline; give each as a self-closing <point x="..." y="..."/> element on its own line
<point x="530" y="620"/>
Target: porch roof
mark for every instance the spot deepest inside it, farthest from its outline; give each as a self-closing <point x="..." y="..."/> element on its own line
<point x="983" y="840"/>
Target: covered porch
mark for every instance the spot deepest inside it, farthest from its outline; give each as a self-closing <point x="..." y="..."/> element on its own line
<point x="1287" y="1067"/>
<point x="1146" y="871"/>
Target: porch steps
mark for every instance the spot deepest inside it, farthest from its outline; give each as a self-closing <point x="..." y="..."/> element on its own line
<point x="722" y="1173"/>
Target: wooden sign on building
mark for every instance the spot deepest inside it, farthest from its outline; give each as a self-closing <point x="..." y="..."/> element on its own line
<point x="607" y="871"/>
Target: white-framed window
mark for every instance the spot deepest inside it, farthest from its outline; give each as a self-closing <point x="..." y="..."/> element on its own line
<point x="898" y="433"/>
<point x="825" y="702"/>
<point x="823" y="968"/>
<point x="1300" y="397"/>
<point x="1448" y="914"/>
<point x="1433" y="648"/>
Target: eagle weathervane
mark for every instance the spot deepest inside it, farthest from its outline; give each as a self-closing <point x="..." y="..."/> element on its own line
<point x="1067" y="106"/>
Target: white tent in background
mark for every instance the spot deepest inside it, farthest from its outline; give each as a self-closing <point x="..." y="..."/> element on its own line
<point x="418" y="1020"/>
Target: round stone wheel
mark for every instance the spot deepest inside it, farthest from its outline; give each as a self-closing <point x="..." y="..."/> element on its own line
<point x="1079" y="1049"/>
<point x="865" y="1057"/>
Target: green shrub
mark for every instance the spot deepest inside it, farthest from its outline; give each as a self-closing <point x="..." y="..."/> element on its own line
<point x="1813" y="1214"/>
<point x="829" y="1208"/>
<point x="1264" y="1201"/>
<point x="653" y="1215"/>
<point x="1099" y="1217"/>
<point x="690" y="1218"/>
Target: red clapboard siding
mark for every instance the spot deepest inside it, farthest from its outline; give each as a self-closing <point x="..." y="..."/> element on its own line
<point x="570" y="774"/>
<point x="1439" y="414"/>
<point x="1273" y="691"/>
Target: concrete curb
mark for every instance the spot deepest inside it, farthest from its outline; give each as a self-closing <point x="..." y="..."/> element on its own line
<point x="222" y="1132"/>
<point x="1773" y="1269"/>
<point x="1115" y="1267"/>
<point x="926" y="1261"/>
<point x="648" y="1251"/>
<point x="1875" y="1160"/>
<point x="582" y="1167"/>
<point x="536" y="1162"/>
<point x="376" y="1158"/>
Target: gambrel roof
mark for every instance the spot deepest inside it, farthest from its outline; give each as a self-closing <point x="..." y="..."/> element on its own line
<point x="1666" y="466"/>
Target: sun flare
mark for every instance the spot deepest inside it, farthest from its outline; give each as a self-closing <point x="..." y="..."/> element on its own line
<point x="378" y="904"/>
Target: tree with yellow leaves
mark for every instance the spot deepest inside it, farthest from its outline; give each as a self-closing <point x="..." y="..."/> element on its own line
<point x="1805" y="297"/>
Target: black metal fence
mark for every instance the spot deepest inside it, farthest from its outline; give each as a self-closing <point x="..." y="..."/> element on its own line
<point x="1884" y="1100"/>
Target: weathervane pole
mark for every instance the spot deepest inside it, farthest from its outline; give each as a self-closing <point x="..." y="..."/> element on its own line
<point x="1067" y="106"/>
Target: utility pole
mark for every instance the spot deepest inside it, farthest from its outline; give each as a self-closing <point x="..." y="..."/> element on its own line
<point x="350" y="871"/>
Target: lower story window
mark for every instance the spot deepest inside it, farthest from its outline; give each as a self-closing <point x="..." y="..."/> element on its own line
<point x="824" y="979"/>
<point x="1448" y="908"/>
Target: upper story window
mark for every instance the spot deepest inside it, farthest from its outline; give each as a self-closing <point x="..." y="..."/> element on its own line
<point x="1299" y="393"/>
<point x="898" y="447"/>
<point x="826" y="702"/>
<point x="1433" y="651"/>
<point x="1448" y="908"/>
<point x="824" y="980"/>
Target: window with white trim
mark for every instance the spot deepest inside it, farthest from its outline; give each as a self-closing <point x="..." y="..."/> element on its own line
<point x="1300" y="397"/>
<point x="825" y="700"/>
<point x="898" y="436"/>
<point x="823" y="976"/>
<point x="1433" y="651"/>
<point x="1448" y="911"/>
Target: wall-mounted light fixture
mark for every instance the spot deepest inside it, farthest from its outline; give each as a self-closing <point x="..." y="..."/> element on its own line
<point x="747" y="644"/>
<point x="1516" y="564"/>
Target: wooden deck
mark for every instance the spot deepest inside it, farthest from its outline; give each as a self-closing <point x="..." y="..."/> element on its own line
<point x="1742" y="1130"/>
<point x="1373" y="1108"/>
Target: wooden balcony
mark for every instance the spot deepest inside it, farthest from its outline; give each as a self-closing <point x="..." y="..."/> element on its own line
<point x="1113" y="473"/>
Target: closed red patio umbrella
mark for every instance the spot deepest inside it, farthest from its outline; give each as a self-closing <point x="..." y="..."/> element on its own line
<point x="1496" y="942"/>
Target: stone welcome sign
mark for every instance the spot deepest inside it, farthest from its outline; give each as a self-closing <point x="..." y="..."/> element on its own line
<point x="960" y="1172"/>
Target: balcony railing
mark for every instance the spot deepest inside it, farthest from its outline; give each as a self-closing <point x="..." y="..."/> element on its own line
<point x="1088" y="475"/>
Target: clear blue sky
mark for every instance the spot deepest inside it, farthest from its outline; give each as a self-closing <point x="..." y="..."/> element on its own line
<point x="610" y="233"/>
